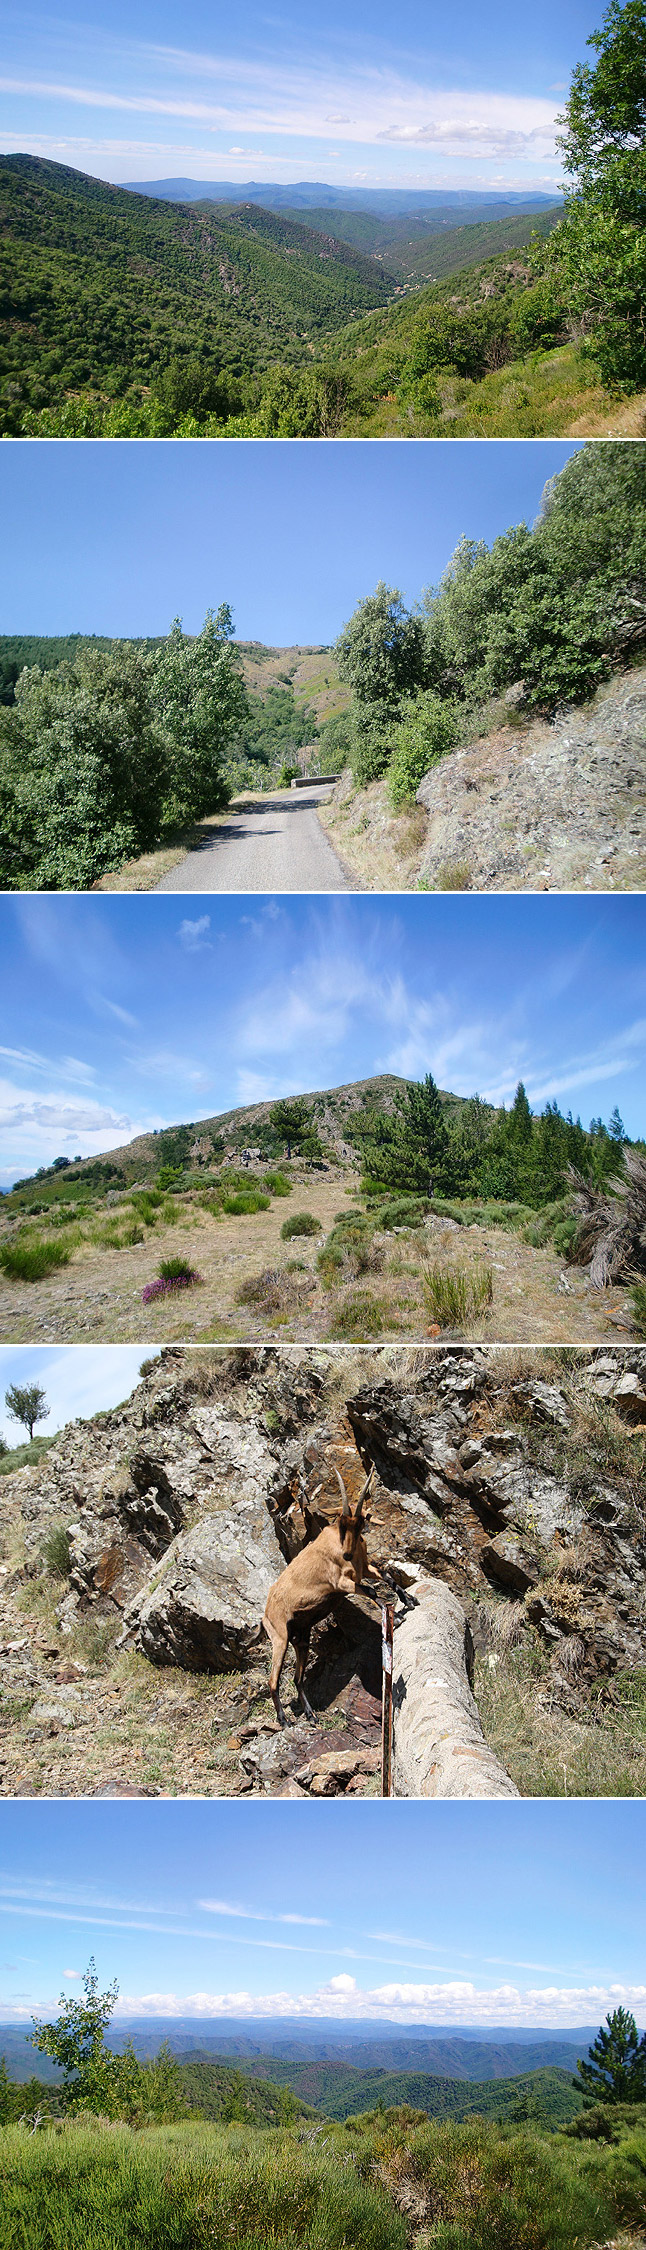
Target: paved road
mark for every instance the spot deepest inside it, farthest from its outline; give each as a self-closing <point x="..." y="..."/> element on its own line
<point x="273" y="845"/>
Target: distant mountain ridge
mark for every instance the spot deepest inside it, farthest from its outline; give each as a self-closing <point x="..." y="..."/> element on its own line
<point x="449" y="2052"/>
<point x="315" y="194"/>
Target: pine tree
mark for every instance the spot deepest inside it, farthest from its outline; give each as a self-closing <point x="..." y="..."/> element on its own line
<point x="616" y="2069"/>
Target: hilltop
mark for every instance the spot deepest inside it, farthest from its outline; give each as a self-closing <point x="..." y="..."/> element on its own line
<point x="253" y="1216"/>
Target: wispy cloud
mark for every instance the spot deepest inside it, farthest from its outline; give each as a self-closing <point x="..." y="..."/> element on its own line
<point x="252" y="1914"/>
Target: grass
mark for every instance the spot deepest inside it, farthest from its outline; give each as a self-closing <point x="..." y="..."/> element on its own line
<point x="246" y="1203"/>
<point x="56" y="1551"/>
<point x="549" y="1753"/>
<point x="25" y="1456"/>
<point x="31" y="1261"/>
<point x="358" y="1318"/>
<point x="454" y="1297"/>
<point x="384" y="2184"/>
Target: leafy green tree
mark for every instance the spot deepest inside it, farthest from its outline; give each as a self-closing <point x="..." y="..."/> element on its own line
<point x="26" y="1403"/>
<point x="5" y="2093"/>
<point x="598" y="253"/>
<point x="82" y="771"/>
<point x="381" y="650"/>
<point x="76" y="2041"/>
<point x="95" y="2078"/>
<point x="616" y="1131"/>
<point x="199" y="700"/>
<point x="616" y="2067"/>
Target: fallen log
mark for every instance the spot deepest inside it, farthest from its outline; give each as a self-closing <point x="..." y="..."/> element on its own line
<point x="439" y="1749"/>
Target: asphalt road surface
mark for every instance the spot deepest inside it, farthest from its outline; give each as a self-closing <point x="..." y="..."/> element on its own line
<point x="273" y="845"/>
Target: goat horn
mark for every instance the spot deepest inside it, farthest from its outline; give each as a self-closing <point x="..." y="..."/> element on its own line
<point x="345" y="1511"/>
<point x="365" y="1488"/>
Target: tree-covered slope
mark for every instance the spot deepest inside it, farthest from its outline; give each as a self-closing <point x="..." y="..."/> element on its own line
<point x="100" y="288"/>
<point x="339" y="2090"/>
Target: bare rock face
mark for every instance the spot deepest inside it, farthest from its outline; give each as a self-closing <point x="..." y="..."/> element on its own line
<point x="203" y="1609"/>
<point x="561" y="803"/>
<point x="439" y="1748"/>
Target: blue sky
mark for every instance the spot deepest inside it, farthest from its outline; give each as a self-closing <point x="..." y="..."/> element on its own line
<point x="124" y="1013"/>
<point x="347" y="1910"/>
<point x="456" y="97"/>
<point x="120" y="538"/>
<point x="79" y="1379"/>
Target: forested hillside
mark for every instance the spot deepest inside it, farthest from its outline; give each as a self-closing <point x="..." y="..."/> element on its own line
<point x="104" y="290"/>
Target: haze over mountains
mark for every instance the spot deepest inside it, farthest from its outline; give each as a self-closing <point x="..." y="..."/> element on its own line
<point x="438" y="206"/>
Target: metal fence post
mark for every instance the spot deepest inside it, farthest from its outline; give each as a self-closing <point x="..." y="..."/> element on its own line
<point x="387" y="1619"/>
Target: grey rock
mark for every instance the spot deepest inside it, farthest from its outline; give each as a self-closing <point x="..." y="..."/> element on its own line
<point x="204" y="1607"/>
<point x="511" y="1563"/>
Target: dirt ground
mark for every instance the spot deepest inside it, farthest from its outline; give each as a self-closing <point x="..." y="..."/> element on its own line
<point x="98" y="1296"/>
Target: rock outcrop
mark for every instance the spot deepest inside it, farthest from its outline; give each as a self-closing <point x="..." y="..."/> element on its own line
<point x="498" y="1480"/>
<point x="204" y="1606"/>
<point x="560" y="805"/>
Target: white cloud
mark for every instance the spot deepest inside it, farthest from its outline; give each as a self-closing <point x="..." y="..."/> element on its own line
<point x="193" y="936"/>
<point x="72" y="1976"/>
<point x="548" y="2008"/>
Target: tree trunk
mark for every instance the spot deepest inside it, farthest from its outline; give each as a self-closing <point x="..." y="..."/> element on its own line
<point x="439" y="1748"/>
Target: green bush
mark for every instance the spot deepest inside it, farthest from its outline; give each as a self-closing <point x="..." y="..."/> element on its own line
<point x="276" y="1183"/>
<point x="429" y="728"/>
<point x="403" y="1211"/>
<point x="31" y="1261"/>
<point x="638" y="1306"/>
<point x="454" y="1296"/>
<point x="300" y="1222"/>
<point x="245" y="1203"/>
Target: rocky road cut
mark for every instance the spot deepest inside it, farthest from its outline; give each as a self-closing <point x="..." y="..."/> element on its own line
<point x="275" y="844"/>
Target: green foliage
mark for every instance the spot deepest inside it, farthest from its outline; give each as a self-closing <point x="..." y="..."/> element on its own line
<point x="26" y="1403"/>
<point x="81" y="771"/>
<point x="291" y="1121"/>
<point x="380" y="652"/>
<point x="454" y="1296"/>
<point x="299" y="1222"/>
<point x="199" y="701"/>
<point x="101" y="755"/>
<point x="598" y="255"/>
<point x="336" y="743"/>
<point x="408" y="1147"/>
<point x="638" y="1306"/>
<point x="274" y="726"/>
<point x="32" y="1260"/>
<point x="246" y="1203"/>
<point x="429" y="727"/>
<point x="615" y="2070"/>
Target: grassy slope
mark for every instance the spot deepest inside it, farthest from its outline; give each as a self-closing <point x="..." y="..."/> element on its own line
<point x="101" y="287"/>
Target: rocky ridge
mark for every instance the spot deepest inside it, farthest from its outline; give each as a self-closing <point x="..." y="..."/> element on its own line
<point x="181" y="1507"/>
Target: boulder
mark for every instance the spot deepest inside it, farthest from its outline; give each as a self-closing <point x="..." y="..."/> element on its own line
<point x="439" y="1748"/>
<point x="203" y="1607"/>
<point x="510" y="1562"/>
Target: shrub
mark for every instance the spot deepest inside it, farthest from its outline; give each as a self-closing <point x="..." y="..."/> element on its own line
<point x="454" y="1296"/>
<point x="404" y="1211"/>
<point x="174" y="1273"/>
<point x="359" y="1318"/>
<point x="31" y="1261"/>
<point x="246" y="1203"/>
<point x="638" y="1306"/>
<point x="430" y="727"/>
<point x="82" y="771"/>
<point x="276" y="1183"/>
<point x="300" y="1222"/>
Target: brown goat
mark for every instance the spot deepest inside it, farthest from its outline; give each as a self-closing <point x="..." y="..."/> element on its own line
<point x="334" y="1563"/>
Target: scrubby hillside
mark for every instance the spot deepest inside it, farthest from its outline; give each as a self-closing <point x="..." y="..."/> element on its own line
<point x="138" y="1551"/>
